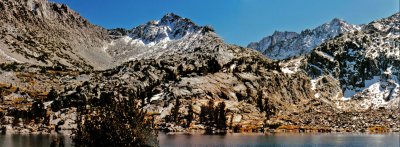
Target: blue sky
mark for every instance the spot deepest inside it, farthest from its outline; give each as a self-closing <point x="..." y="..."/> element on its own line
<point x="236" y="21"/>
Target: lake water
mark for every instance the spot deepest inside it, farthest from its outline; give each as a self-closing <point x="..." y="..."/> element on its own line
<point x="280" y="140"/>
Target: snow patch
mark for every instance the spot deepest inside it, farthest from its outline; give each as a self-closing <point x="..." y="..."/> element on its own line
<point x="350" y="92"/>
<point x="287" y="70"/>
<point x="156" y="97"/>
<point x="316" y="95"/>
<point x="47" y="104"/>
<point x="291" y="66"/>
<point x="325" y="55"/>
<point x="314" y="84"/>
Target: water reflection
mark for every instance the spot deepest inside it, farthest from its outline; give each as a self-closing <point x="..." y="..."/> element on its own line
<point x="31" y="140"/>
<point x="291" y="140"/>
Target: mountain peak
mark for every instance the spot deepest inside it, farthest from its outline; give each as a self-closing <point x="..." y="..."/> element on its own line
<point x="335" y="27"/>
<point x="283" y="45"/>
<point x="171" y="16"/>
<point x="279" y="32"/>
<point x="336" y="21"/>
<point x="170" y="27"/>
<point x="172" y="20"/>
<point x="170" y="34"/>
<point x="285" y="34"/>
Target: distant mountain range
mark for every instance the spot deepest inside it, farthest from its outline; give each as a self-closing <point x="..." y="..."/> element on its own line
<point x="336" y="77"/>
<point x="283" y="45"/>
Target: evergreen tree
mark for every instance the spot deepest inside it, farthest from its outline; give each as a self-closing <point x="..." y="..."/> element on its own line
<point x="175" y="110"/>
<point x="231" y="122"/>
<point x="37" y="111"/>
<point x="189" y="117"/>
<point x="203" y="114"/>
<point x="260" y="101"/>
<point x="106" y="98"/>
<point x="221" y="123"/>
<point x="215" y="115"/>
<point x="56" y="106"/>
<point x="1" y="95"/>
<point x="267" y="109"/>
<point x="119" y="123"/>
<point x="210" y="114"/>
<point x="52" y="95"/>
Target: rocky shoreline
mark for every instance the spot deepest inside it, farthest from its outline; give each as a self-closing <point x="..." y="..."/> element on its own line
<point x="65" y="125"/>
<point x="282" y="130"/>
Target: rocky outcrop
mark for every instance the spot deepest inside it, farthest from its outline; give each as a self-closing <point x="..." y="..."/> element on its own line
<point x="233" y="74"/>
<point x="365" y="63"/>
<point x="49" y="34"/>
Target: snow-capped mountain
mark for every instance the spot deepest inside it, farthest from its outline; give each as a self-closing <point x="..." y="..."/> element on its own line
<point x="272" y="40"/>
<point x="170" y="35"/>
<point x="283" y="45"/>
<point x="170" y="27"/>
<point x="366" y="65"/>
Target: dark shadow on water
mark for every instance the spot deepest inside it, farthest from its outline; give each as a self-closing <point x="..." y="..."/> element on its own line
<point x="230" y="139"/>
<point x="19" y="140"/>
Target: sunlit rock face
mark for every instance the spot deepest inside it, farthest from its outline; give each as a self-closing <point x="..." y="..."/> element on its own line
<point x="50" y="34"/>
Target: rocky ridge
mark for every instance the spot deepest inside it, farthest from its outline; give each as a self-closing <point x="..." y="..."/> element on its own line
<point x="365" y="64"/>
<point x="283" y="45"/>
<point x="49" y="34"/>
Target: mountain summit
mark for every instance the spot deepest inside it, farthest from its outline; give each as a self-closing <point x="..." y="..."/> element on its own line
<point x="283" y="45"/>
<point x="170" y="27"/>
<point x="170" y="35"/>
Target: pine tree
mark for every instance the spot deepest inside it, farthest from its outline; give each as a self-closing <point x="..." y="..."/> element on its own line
<point x="175" y="110"/>
<point x="221" y="123"/>
<point x="215" y="114"/>
<point x="1" y="95"/>
<point x="231" y="122"/>
<point x="260" y="101"/>
<point x="119" y="123"/>
<point x="37" y="111"/>
<point x="189" y="117"/>
<point x="52" y="94"/>
<point x="210" y="114"/>
<point x="267" y="108"/>
<point x="203" y="114"/>
<point x="56" y="105"/>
